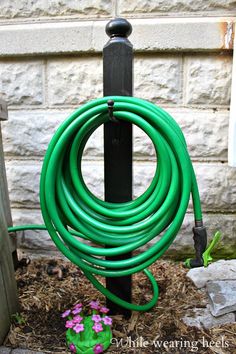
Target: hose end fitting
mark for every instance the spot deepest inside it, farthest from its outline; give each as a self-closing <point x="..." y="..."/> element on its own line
<point x="200" y="244"/>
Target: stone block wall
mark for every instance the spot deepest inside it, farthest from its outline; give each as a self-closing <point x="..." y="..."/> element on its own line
<point x="44" y="78"/>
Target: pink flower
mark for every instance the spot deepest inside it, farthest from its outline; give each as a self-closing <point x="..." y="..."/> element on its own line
<point x="78" y="306"/>
<point x="77" y="319"/>
<point x="97" y="327"/>
<point x="65" y="314"/>
<point x="72" y="348"/>
<point x="94" y="305"/>
<point x="78" y="328"/>
<point x="104" y="309"/>
<point x="77" y="310"/>
<point x="107" y="320"/>
<point x="96" y="318"/>
<point x="69" y="324"/>
<point x="98" y="349"/>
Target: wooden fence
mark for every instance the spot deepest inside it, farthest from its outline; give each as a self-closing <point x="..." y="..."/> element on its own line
<point x="8" y="291"/>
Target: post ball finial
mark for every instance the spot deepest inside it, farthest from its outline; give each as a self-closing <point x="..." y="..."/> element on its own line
<point x="118" y="27"/>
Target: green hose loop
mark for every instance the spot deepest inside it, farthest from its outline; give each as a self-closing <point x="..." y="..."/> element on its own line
<point x="73" y="215"/>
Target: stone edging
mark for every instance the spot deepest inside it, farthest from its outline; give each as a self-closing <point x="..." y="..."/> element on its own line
<point x="149" y="35"/>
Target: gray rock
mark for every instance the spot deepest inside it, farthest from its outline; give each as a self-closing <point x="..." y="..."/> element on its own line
<point x="25" y="351"/>
<point x="5" y="350"/>
<point x="220" y="270"/>
<point x="202" y="318"/>
<point x="222" y="294"/>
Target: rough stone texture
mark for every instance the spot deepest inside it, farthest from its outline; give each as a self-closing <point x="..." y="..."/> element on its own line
<point x="5" y="350"/>
<point x="74" y="81"/>
<point x="24" y="176"/>
<point x="208" y="80"/>
<point x="93" y="175"/>
<point x="217" y="187"/>
<point x="166" y="7"/>
<point x="24" y="351"/>
<point x="35" y="240"/>
<point x="158" y="78"/>
<point x="28" y="133"/>
<point x="220" y="270"/>
<point x="222" y="294"/>
<point x="13" y="9"/>
<point x="204" y="319"/>
<point x="23" y="182"/>
<point x="82" y="7"/>
<point x="140" y="184"/>
<point x="143" y="147"/>
<point x="21" y="82"/>
<point x="205" y="132"/>
<point x="37" y="8"/>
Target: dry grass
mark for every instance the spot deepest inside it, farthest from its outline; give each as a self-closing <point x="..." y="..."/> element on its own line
<point x="43" y="297"/>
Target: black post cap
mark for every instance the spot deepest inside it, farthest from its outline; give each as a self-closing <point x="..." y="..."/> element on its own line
<point x="118" y="27"/>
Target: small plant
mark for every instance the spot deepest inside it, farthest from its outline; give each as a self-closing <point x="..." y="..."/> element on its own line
<point x="18" y="319"/>
<point x="88" y="331"/>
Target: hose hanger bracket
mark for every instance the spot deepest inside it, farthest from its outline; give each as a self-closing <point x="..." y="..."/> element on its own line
<point x="110" y="105"/>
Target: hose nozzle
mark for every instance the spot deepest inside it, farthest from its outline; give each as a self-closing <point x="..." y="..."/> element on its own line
<point x="203" y="255"/>
<point x="207" y="259"/>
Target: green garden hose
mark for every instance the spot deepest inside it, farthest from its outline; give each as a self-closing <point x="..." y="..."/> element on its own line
<point x="73" y="215"/>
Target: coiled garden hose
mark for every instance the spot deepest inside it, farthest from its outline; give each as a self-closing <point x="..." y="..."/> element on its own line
<point x="73" y="215"/>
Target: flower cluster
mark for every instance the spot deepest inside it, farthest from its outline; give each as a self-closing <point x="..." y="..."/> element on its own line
<point x="75" y="318"/>
<point x="97" y="318"/>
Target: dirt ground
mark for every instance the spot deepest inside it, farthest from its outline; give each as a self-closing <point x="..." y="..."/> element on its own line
<point x="48" y="287"/>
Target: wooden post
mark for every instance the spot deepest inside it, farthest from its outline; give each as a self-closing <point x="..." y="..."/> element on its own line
<point x="118" y="80"/>
<point x="8" y="292"/>
<point x="4" y="189"/>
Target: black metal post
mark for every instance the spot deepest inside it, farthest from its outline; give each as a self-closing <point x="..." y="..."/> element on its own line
<point x="118" y="80"/>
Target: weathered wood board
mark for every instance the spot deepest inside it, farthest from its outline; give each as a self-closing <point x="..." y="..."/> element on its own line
<point x="8" y="290"/>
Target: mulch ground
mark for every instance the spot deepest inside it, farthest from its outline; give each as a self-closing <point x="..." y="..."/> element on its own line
<point x="48" y="287"/>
